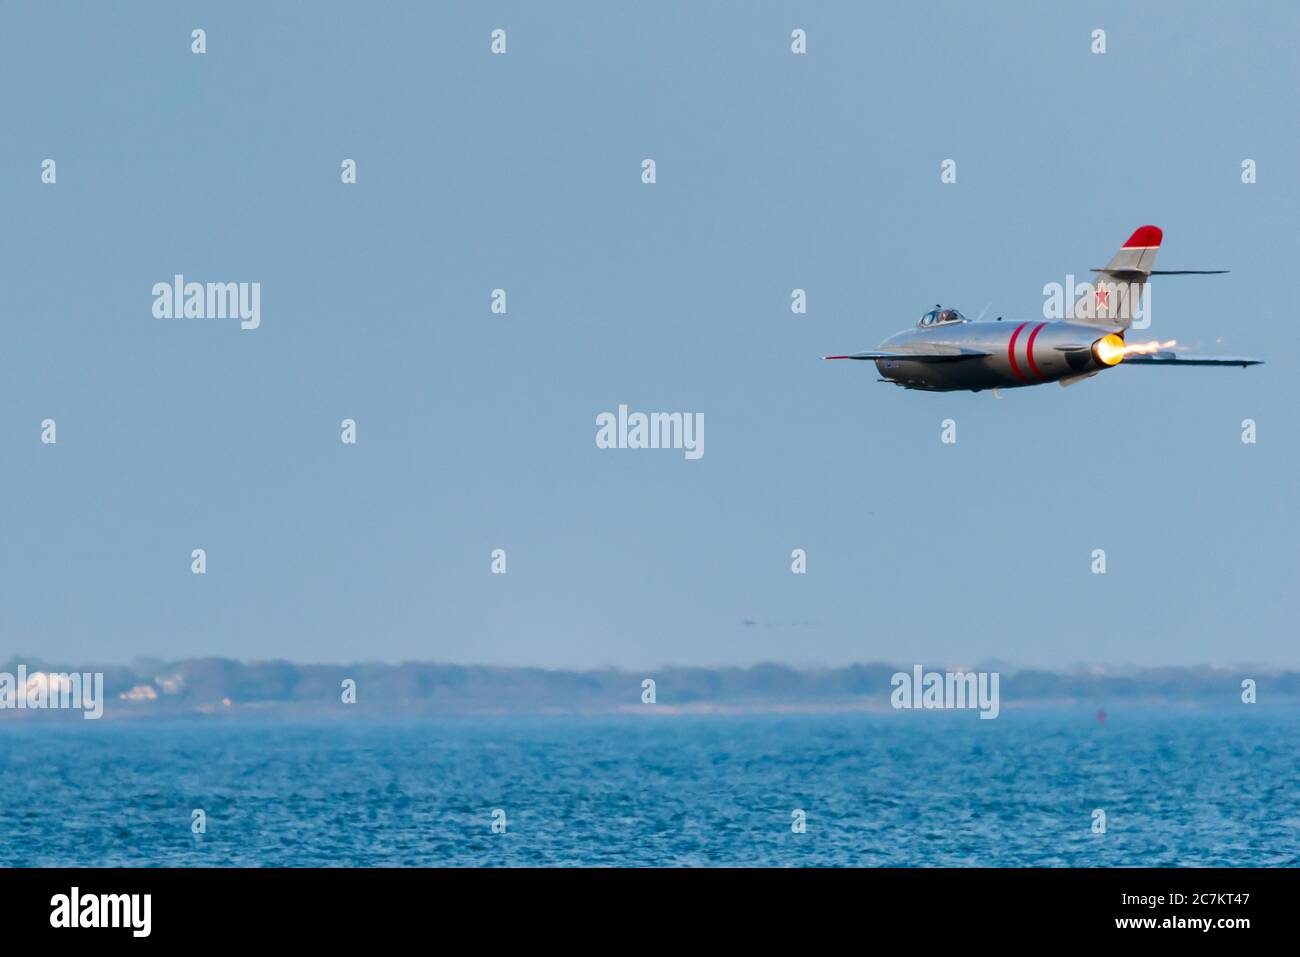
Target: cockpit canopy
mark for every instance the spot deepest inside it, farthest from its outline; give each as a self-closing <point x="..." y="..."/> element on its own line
<point x="939" y="316"/>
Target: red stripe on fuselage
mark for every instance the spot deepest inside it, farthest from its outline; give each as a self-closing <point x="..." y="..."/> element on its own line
<point x="1029" y="350"/>
<point x="1011" y="353"/>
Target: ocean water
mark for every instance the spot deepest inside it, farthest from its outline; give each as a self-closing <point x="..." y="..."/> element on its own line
<point x="1215" y="788"/>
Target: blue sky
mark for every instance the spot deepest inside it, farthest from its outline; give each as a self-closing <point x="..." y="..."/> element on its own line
<point x="477" y="431"/>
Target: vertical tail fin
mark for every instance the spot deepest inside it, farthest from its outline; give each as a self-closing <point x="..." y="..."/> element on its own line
<point x="1117" y="295"/>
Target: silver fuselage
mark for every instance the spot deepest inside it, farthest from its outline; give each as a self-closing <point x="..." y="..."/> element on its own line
<point x="1020" y="353"/>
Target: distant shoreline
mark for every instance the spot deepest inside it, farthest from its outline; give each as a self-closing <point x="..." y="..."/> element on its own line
<point x="280" y="690"/>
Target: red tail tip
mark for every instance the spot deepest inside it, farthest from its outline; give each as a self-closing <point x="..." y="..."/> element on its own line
<point x="1145" y="236"/>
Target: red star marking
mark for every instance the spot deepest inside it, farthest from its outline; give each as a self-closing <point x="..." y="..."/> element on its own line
<point x="1103" y="297"/>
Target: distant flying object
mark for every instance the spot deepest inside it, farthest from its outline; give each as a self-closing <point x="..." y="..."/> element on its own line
<point x="948" y="352"/>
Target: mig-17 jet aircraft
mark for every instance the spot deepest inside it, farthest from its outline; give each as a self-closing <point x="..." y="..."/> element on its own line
<point x="948" y="352"/>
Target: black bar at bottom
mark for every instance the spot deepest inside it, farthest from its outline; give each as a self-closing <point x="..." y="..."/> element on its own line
<point x="331" y="906"/>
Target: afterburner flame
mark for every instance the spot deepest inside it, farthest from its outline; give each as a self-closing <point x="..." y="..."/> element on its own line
<point x="1109" y="349"/>
<point x="1146" y="348"/>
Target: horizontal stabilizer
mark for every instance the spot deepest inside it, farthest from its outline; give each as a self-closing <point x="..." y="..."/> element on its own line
<point x="1180" y="359"/>
<point x="1130" y="274"/>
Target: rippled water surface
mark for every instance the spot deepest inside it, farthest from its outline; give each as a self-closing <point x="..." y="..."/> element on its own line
<point x="907" y="789"/>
